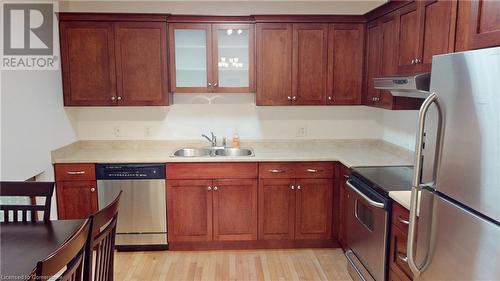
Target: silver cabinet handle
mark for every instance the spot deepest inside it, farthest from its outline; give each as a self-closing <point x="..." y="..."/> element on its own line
<point x="215" y="84"/>
<point x="312" y="170"/>
<point x="294" y="98"/>
<point x="330" y="98"/>
<point x="403" y="258"/>
<point x="75" y="173"/>
<point x="92" y="189"/>
<point x="366" y="198"/>
<point x="413" y="61"/>
<point x="119" y="98"/>
<point x="209" y="188"/>
<point x="346" y="176"/>
<point x="276" y="171"/>
<point x="292" y="187"/>
<point x="403" y="221"/>
<point x="113" y="98"/>
<point x="209" y="84"/>
<point x="215" y="188"/>
<point x="289" y="98"/>
<point x="417" y="182"/>
<point x="417" y="61"/>
<point x="298" y="187"/>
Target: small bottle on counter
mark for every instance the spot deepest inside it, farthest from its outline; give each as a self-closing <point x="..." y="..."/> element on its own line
<point x="236" y="140"/>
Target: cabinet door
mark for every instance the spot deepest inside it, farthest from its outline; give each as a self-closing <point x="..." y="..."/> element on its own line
<point x="484" y="24"/>
<point x="310" y="53"/>
<point x="274" y="64"/>
<point x="343" y="197"/>
<point x="408" y="39"/>
<point x="276" y="209"/>
<point x="88" y="63"/>
<point x="438" y="27"/>
<point x="373" y="53"/>
<point x="345" y="64"/>
<point x="313" y="209"/>
<point x="233" y="58"/>
<point x="398" y="259"/>
<point x="76" y="199"/>
<point x="189" y="210"/>
<point x="389" y="30"/>
<point x="141" y="52"/>
<point x="235" y="209"/>
<point x="190" y="59"/>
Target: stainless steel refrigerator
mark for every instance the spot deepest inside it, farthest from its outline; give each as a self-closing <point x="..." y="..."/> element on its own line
<point x="456" y="189"/>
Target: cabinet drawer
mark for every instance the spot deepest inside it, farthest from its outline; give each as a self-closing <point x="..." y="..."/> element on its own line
<point x="398" y="257"/>
<point x="211" y="170"/>
<point x="400" y="217"/>
<point x="308" y="170"/>
<point x="74" y="172"/>
<point x="275" y="170"/>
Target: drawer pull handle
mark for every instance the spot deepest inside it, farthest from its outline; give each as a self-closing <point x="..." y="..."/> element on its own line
<point x="298" y="187"/>
<point x="292" y="187"/>
<point x="215" y="188"/>
<point x="75" y="173"/>
<point x="92" y="189"/>
<point x="346" y="176"/>
<point x="209" y="188"/>
<point x="313" y="170"/>
<point x="403" y="221"/>
<point x="276" y="171"/>
<point x="403" y="258"/>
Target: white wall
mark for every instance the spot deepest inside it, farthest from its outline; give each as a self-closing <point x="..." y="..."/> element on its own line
<point x="400" y="127"/>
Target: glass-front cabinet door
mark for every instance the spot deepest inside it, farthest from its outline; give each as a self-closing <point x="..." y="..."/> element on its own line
<point x="208" y="58"/>
<point x="190" y="57"/>
<point x="233" y="58"/>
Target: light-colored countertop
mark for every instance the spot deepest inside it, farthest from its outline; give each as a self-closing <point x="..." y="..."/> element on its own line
<point x="348" y="152"/>
<point x="402" y="197"/>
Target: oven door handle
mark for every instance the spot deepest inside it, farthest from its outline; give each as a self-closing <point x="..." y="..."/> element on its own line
<point x="366" y="198"/>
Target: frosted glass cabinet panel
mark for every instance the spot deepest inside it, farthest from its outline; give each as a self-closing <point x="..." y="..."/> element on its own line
<point x="233" y="58"/>
<point x="207" y="58"/>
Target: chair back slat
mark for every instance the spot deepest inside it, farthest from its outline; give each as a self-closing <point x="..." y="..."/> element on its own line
<point x="102" y="242"/>
<point x="70" y="255"/>
<point x="26" y="189"/>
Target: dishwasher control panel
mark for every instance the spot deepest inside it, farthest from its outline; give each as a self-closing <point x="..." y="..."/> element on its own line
<point x="130" y="171"/>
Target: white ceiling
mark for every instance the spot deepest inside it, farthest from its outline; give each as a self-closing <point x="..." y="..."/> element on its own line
<point x="224" y="7"/>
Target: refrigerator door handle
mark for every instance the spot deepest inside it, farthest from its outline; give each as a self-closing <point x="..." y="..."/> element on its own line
<point x="418" y="185"/>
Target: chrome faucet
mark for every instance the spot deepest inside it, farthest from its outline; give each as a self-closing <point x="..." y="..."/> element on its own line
<point x="212" y="140"/>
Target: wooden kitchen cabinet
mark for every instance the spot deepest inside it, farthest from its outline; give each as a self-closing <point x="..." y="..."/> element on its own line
<point x="76" y="190"/>
<point x="208" y="57"/>
<point x="274" y="63"/>
<point x="398" y="264"/>
<point x="426" y="28"/>
<point x="341" y="207"/>
<point x="189" y="210"/>
<point x="309" y="63"/>
<point x="478" y="25"/>
<point x="205" y="207"/>
<point x="108" y="62"/>
<point x="345" y="64"/>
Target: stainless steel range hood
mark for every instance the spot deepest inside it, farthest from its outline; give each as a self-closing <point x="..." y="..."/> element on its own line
<point x="416" y="86"/>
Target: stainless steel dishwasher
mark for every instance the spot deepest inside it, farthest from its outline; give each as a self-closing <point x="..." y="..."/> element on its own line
<point x="142" y="222"/>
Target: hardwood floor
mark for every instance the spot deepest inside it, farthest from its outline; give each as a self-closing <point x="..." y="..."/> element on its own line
<point x="280" y="265"/>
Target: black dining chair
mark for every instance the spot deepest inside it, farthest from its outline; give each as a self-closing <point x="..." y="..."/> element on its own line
<point x="102" y="243"/>
<point x="19" y="213"/>
<point x="67" y="262"/>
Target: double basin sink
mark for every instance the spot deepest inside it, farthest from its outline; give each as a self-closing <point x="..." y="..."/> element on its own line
<point x="213" y="152"/>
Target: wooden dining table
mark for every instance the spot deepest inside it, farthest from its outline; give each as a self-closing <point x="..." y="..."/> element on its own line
<point x="23" y="244"/>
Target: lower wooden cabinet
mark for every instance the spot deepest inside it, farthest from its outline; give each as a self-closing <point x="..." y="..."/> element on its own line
<point x="399" y="268"/>
<point x="76" y="199"/>
<point x="295" y="209"/>
<point x="340" y="208"/>
<point x="212" y="210"/>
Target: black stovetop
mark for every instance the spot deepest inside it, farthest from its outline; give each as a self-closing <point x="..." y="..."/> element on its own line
<point x="386" y="178"/>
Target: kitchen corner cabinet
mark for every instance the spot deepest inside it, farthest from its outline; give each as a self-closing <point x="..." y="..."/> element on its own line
<point x="295" y="201"/>
<point x="219" y="204"/>
<point x="113" y="63"/>
<point x="76" y="190"/>
<point x="426" y="28"/>
<point x="208" y="58"/>
<point x="345" y="64"/>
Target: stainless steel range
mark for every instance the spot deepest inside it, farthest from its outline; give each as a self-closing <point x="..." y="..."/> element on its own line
<point x="368" y="218"/>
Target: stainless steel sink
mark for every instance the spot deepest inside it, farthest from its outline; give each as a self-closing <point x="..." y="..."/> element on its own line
<point x="192" y="152"/>
<point x="230" y="151"/>
<point x="213" y="152"/>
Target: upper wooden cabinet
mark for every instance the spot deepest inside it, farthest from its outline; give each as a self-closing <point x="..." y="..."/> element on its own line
<point x="211" y="57"/>
<point x="426" y="28"/>
<point x="113" y="62"/>
<point x="345" y="64"/>
<point x="309" y="63"/>
<point x="478" y="24"/>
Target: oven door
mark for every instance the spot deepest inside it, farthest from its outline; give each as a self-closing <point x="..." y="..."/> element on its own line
<point x="367" y="226"/>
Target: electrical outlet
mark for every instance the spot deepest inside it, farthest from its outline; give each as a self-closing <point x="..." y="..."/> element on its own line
<point x="301" y="131"/>
<point x="147" y="132"/>
<point x="117" y="132"/>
